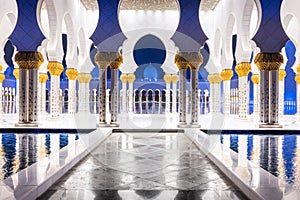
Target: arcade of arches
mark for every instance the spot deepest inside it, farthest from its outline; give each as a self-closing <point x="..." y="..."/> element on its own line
<point x="207" y="57"/>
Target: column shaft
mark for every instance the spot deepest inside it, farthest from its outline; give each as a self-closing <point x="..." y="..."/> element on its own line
<point x="243" y="92"/>
<point x="182" y="97"/>
<point x="29" y="63"/>
<point x="226" y="93"/>
<point x="194" y="98"/>
<point x="102" y="97"/>
<point x="174" y="97"/>
<point x="54" y="97"/>
<point x="72" y="97"/>
<point x="124" y="97"/>
<point x="114" y="97"/>
<point x="268" y="64"/>
<point x="168" y="91"/>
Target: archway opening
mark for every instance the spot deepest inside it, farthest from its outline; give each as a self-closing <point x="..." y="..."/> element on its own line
<point x="149" y="54"/>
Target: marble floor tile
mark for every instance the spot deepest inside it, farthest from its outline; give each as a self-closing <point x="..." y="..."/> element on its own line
<point x="144" y="166"/>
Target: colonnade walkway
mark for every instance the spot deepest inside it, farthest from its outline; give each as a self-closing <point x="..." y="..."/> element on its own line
<point x="145" y="166"/>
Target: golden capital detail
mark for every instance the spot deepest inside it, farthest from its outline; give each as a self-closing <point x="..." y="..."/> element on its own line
<point x="124" y="78"/>
<point x="214" y="78"/>
<point x="298" y="69"/>
<point x="175" y="78"/>
<point x="55" y="68"/>
<point x="43" y="77"/>
<point x="2" y="77"/>
<point x="183" y="60"/>
<point x="268" y="61"/>
<point x="72" y="74"/>
<point x="84" y="77"/>
<point x="297" y="78"/>
<point x="17" y="73"/>
<point x="105" y="59"/>
<point x="168" y="78"/>
<point x="131" y="78"/>
<point x="1" y="68"/>
<point x="282" y="74"/>
<point x="255" y="78"/>
<point x="29" y="60"/>
<point x="226" y="74"/>
<point x="243" y="69"/>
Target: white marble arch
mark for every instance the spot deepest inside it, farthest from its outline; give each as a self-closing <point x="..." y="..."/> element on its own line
<point x="8" y="21"/>
<point x="228" y="18"/>
<point x="56" y="17"/>
<point x="290" y="19"/>
<point x="136" y="24"/>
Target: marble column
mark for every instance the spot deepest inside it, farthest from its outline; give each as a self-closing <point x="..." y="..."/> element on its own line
<point x="102" y="62"/>
<point x="255" y="80"/>
<point x="195" y="60"/>
<point x="243" y="70"/>
<point x="182" y="65"/>
<point x="29" y="63"/>
<point x="168" y="79"/>
<point x="43" y="77"/>
<point x="2" y="77"/>
<point x="174" y="97"/>
<point x="84" y="92"/>
<point x="268" y="65"/>
<point x="17" y="76"/>
<point x="297" y="79"/>
<point x="215" y="80"/>
<point x="55" y="69"/>
<point x="72" y="101"/>
<point x="114" y="66"/>
<point x="131" y="79"/>
<point x="226" y="76"/>
<point x="124" y="80"/>
<point x="282" y="75"/>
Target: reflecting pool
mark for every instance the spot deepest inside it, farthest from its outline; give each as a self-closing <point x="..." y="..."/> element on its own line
<point x="279" y="155"/>
<point x="18" y="151"/>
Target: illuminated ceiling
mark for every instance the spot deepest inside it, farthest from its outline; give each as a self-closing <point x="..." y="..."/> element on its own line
<point x="207" y="5"/>
<point x="149" y="5"/>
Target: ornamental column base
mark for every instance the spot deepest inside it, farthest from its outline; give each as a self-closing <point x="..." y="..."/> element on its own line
<point x="194" y="125"/>
<point x="182" y="125"/>
<point x="114" y="124"/>
<point x="270" y="126"/>
<point x="102" y="124"/>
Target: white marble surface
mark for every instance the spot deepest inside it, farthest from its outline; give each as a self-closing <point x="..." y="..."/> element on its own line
<point x="255" y="182"/>
<point x="37" y="178"/>
<point x="153" y="121"/>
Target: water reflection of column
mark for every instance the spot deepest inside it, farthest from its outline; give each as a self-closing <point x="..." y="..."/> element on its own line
<point x="71" y="145"/>
<point x="281" y="167"/>
<point x="242" y="149"/>
<point x="226" y="143"/>
<point x="168" y="79"/>
<point x="54" y="149"/>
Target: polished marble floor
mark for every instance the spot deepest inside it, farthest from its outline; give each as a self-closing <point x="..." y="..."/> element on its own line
<point x="145" y="166"/>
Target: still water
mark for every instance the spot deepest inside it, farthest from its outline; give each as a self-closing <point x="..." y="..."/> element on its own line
<point x="18" y="151"/>
<point x="279" y="155"/>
